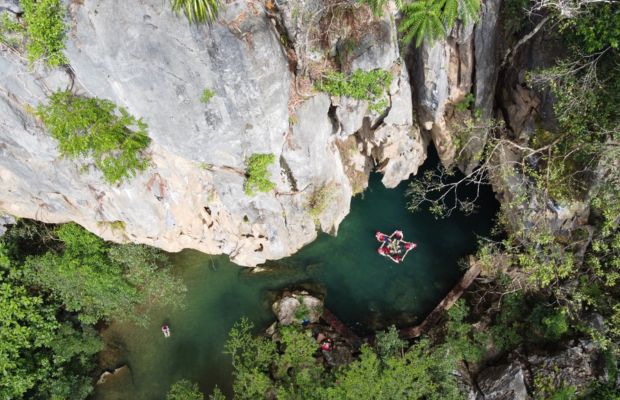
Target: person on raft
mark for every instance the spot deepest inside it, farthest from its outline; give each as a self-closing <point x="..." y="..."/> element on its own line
<point x="165" y="330"/>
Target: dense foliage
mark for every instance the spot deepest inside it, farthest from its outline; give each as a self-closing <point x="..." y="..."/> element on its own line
<point x="360" y="85"/>
<point x="257" y="174"/>
<point x="197" y="11"/>
<point x="551" y="277"/>
<point x="288" y="369"/>
<point x="184" y="390"/>
<point x="433" y="19"/>
<point x="97" y="128"/>
<point x="55" y="284"/>
<point x="46" y="30"/>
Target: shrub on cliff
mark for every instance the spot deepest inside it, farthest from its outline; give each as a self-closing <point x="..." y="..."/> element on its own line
<point x="45" y="30"/>
<point x="197" y="11"/>
<point x="97" y="128"/>
<point x="258" y="174"/>
<point x="360" y="85"/>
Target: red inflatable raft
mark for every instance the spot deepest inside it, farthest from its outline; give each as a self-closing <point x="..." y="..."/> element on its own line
<point x="393" y="246"/>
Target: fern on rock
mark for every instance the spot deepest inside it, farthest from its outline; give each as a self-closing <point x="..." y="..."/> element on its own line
<point x="433" y="19"/>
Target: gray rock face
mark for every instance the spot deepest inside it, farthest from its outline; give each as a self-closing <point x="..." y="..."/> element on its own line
<point x="11" y="6"/>
<point x="5" y="221"/>
<point x="442" y="76"/>
<point x="309" y="150"/>
<point x="575" y="366"/>
<point x="506" y="382"/>
<point x="156" y="65"/>
<point x="159" y="66"/>
<point x="397" y="145"/>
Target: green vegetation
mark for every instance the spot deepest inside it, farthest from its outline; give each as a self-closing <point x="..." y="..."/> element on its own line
<point x="547" y="279"/>
<point x="46" y="30"/>
<point x="42" y="356"/>
<point x="55" y="284"/>
<point x="288" y="369"/>
<point x="320" y="200"/>
<point x="466" y="103"/>
<point x="207" y="95"/>
<point x="433" y="19"/>
<point x="97" y="128"/>
<point x="361" y="85"/>
<point x="11" y="31"/>
<point x="100" y="281"/>
<point x="184" y="390"/>
<point x="257" y="174"/>
<point x="197" y="11"/>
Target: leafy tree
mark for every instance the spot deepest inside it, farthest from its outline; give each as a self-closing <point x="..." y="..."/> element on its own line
<point x="102" y="281"/>
<point x="217" y="394"/>
<point x="40" y="356"/>
<point x="423" y="373"/>
<point x="460" y="337"/>
<point x="289" y="371"/>
<point x="184" y="390"/>
<point x="258" y="174"/>
<point x="97" y="128"/>
<point x="433" y="19"/>
<point x="46" y="30"/>
<point x="389" y="344"/>
<point x="197" y="11"/>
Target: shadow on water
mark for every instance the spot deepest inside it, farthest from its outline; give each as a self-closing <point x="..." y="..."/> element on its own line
<point x="365" y="290"/>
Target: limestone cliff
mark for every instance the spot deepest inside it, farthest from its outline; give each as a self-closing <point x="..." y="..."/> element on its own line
<point x="156" y="65"/>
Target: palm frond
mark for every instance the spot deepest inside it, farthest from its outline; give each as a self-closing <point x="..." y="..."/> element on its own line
<point x="469" y="10"/>
<point x="197" y="11"/>
<point x="450" y="12"/>
<point x="422" y="20"/>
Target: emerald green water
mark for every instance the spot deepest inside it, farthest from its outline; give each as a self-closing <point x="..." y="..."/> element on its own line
<point x="364" y="289"/>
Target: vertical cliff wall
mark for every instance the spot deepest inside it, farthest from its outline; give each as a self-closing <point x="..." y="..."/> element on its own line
<point x="142" y="57"/>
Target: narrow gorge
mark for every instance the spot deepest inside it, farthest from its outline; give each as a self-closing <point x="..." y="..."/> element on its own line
<point x="196" y="137"/>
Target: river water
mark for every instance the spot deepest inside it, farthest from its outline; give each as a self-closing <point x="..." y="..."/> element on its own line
<point x="363" y="289"/>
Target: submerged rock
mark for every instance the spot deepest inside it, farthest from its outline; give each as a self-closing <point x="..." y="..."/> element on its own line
<point x="119" y="376"/>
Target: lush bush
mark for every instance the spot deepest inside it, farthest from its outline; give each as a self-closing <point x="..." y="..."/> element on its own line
<point x="197" y="11"/>
<point x="46" y="30"/>
<point x="257" y="174"/>
<point x="97" y="128"/>
<point x="433" y="19"/>
<point x="361" y="85"/>
<point x="184" y="390"/>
